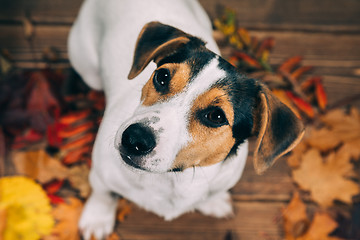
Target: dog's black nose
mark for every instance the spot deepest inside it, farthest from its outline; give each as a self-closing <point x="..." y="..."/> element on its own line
<point x="138" y="140"/>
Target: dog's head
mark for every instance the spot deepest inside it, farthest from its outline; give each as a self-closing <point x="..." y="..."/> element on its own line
<point x="196" y="109"/>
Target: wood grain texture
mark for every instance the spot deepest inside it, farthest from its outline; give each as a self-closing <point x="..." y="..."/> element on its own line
<point x="252" y="221"/>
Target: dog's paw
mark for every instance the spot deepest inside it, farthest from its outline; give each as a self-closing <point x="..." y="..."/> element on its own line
<point x="97" y="218"/>
<point x="219" y="206"/>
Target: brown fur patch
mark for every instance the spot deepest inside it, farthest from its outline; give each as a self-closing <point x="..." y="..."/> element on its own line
<point x="208" y="145"/>
<point x="180" y="75"/>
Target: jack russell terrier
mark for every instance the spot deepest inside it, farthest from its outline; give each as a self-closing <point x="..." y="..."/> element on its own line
<point x="173" y="135"/>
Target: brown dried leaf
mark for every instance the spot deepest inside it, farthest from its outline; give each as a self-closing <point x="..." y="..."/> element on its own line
<point x="323" y="139"/>
<point x="295" y="218"/>
<point x="123" y="209"/>
<point x="67" y="216"/>
<point x="39" y="165"/>
<point x="78" y="177"/>
<point x="325" y="179"/>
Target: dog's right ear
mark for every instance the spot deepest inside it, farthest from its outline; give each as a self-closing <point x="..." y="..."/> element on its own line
<point x="155" y="42"/>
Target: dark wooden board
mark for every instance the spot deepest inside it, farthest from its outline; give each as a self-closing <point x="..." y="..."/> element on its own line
<point x="328" y="15"/>
<point x="252" y="221"/>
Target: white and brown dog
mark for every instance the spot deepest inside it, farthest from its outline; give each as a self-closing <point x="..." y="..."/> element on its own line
<point x="173" y="138"/>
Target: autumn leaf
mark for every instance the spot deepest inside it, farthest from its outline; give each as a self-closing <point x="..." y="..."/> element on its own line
<point x="27" y="209"/>
<point x="76" y="155"/>
<point x="295" y="218"/>
<point x="325" y="180"/>
<point x="320" y="228"/>
<point x="78" y="178"/>
<point x="67" y="216"/>
<point x="41" y="104"/>
<point x="289" y="64"/>
<point x="123" y="209"/>
<point x="282" y="96"/>
<point x="2" y="222"/>
<point x="39" y="165"/>
<point x="53" y="186"/>
<point x="301" y="104"/>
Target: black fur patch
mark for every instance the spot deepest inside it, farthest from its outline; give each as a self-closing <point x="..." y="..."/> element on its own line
<point x="243" y="94"/>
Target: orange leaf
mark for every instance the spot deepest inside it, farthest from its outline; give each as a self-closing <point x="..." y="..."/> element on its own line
<point x="73" y="117"/>
<point x="320" y="95"/>
<point x="244" y="36"/>
<point x="289" y="64"/>
<point x="72" y="131"/>
<point x="325" y="180"/>
<point x="320" y="228"/>
<point x="302" y="105"/>
<point x="67" y="216"/>
<point x="39" y="165"/>
<point x="310" y="82"/>
<point x="248" y="60"/>
<point x="75" y="155"/>
<point x="295" y="218"/>
<point x="300" y="71"/>
<point x="80" y="142"/>
<point x="123" y="209"/>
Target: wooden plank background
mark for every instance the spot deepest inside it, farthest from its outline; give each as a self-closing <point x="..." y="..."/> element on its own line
<point x="325" y="32"/>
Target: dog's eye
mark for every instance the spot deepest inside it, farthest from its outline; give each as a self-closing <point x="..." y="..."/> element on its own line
<point x="161" y="80"/>
<point x="213" y="117"/>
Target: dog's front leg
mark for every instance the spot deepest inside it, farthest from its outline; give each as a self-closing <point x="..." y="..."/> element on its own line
<point x="98" y="216"/>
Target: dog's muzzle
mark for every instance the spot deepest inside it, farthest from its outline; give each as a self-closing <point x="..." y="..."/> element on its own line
<point x="137" y="141"/>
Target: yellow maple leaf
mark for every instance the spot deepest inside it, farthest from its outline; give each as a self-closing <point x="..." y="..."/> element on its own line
<point x="325" y="179"/>
<point x="27" y="207"/>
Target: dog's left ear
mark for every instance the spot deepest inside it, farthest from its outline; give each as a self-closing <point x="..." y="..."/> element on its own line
<point x="278" y="130"/>
<point x="156" y="41"/>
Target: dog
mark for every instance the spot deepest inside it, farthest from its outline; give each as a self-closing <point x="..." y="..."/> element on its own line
<point x="173" y="138"/>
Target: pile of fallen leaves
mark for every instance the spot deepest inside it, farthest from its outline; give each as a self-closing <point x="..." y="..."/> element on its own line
<point x="306" y="97"/>
<point x="49" y="119"/>
<point x="325" y="165"/>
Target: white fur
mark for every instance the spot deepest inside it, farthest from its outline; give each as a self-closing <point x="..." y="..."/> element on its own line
<point x="101" y="47"/>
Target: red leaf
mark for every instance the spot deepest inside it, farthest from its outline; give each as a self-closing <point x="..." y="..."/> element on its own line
<point x="55" y="199"/>
<point x="289" y="64"/>
<point x="301" y="104"/>
<point x="53" y="136"/>
<point x="320" y="95"/>
<point x="248" y="60"/>
<point x="30" y="136"/>
<point x="54" y="186"/>
<point x="310" y="82"/>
